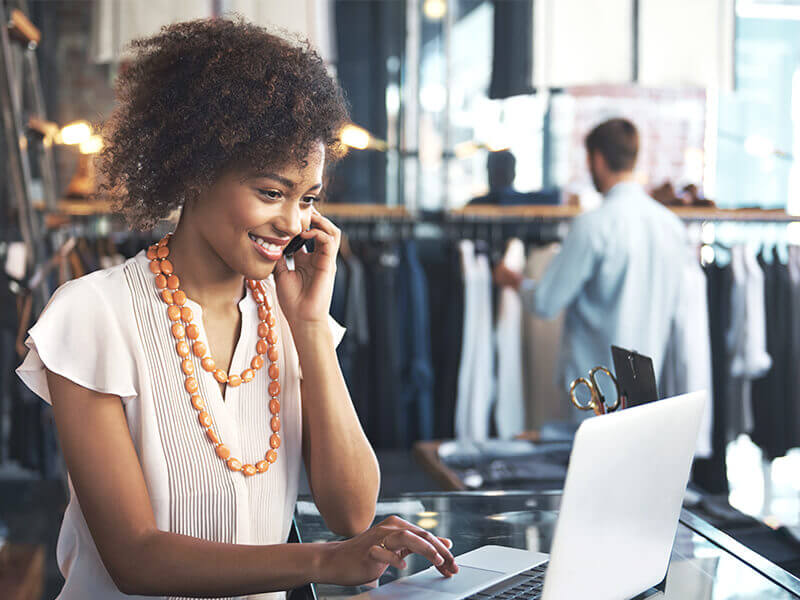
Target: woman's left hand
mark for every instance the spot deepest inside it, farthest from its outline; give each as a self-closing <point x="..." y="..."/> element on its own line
<point x="305" y="293"/>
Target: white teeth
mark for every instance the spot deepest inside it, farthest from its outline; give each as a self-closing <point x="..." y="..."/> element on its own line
<point x="266" y="245"/>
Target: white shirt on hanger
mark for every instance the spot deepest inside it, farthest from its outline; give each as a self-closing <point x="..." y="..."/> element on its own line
<point x="109" y="331"/>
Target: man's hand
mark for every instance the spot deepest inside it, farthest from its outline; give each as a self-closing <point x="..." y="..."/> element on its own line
<point x="503" y="276"/>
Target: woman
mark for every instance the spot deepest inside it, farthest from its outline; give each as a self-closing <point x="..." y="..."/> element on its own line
<point x="188" y="382"/>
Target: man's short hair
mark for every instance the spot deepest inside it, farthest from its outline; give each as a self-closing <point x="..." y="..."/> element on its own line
<point x="618" y="142"/>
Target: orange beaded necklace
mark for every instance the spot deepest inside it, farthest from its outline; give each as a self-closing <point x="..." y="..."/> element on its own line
<point x="167" y="283"/>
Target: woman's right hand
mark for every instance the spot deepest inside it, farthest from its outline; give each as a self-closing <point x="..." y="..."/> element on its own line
<point x="365" y="557"/>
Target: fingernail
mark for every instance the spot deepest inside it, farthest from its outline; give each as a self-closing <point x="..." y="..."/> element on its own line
<point x="403" y="564"/>
<point x="439" y="560"/>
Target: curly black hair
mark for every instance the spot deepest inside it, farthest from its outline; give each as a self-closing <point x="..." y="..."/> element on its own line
<point x="207" y="95"/>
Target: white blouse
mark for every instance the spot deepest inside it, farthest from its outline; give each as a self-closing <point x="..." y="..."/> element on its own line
<point x="109" y="331"/>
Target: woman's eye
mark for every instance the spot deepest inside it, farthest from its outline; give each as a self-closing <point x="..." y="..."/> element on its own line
<point x="271" y="194"/>
<point x="309" y="199"/>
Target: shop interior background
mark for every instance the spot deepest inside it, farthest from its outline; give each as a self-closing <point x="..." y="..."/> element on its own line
<point x="434" y="87"/>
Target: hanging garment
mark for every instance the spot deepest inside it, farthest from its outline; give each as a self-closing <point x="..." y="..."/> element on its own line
<point x="746" y="338"/>
<point x="794" y="279"/>
<point x="474" y="402"/>
<point x="617" y="277"/>
<point x="416" y="394"/>
<point x="442" y="264"/>
<point x="772" y="405"/>
<point x="710" y="474"/>
<point x="388" y="417"/>
<point x="546" y="399"/>
<point x="687" y="366"/>
<point x="123" y="346"/>
<point x="509" y="410"/>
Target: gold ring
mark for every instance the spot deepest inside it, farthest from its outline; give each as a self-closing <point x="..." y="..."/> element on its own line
<point x="383" y="544"/>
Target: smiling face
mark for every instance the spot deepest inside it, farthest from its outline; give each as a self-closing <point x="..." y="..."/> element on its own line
<point x="249" y="217"/>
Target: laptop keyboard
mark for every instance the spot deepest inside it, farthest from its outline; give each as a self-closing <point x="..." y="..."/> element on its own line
<point x="525" y="586"/>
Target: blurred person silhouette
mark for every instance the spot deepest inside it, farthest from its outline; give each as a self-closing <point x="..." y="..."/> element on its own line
<point x="619" y="269"/>
<point x="502" y="170"/>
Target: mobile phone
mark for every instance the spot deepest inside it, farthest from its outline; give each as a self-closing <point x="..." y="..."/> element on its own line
<point x="297" y="243"/>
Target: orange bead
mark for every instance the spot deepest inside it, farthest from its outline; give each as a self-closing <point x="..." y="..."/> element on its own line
<point x="275" y="441"/>
<point x="272" y="354"/>
<point x="251" y="283"/>
<point x="182" y="348"/>
<point x="263" y="313"/>
<point x="234" y="380"/>
<point x="263" y="330"/>
<point x="163" y="252"/>
<point x="247" y="375"/>
<point x="198" y="402"/>
<point x="222" y="451"/>
<point x="272" y="456"/>
<point x="257" y="363"/>
<point x="274" y="406"/>
<point x="174" y="283"/>
<point x="190" y="384"/>
<point x="204" y="418"/>
<point x="262" y="466"/>
<point x="274" y="388"/>
<point x="178" y="295"/>
<point x="155" y="267"/>
<point x="261" y="347"/>
<point x="234" y="464"/>
<point x="152" y="253"/>
<point x="199" y="349"/>
<point x="208" y="363"/>
<point x="248" y="470"/>
<point x="188" y="366"/>
<point x="272" y="336"/>
<point x="174" y="312"/>
<point x="212" y="435"/>
<point x="186" y="314"/>
<point x="274" y="371"/>
<point x="220" y="376"/>
<point x="166" y="267"/>
<point x="270" y="319"/>
<point x="192" y="332"/>
<point x="275" y="424"/>
<point x="165" y="240"/>
<point x="178" y="331"/>
<point x="258" y="296"/>
<point x="161" y="281"/>
<point x="166" y="296"/>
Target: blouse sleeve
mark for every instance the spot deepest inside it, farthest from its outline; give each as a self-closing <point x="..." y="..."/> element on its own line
<point x="338" y="333"/>
<point x="78" y="336"/>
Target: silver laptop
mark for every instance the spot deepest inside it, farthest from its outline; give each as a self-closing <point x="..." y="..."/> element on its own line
<point x="627" y="475"/>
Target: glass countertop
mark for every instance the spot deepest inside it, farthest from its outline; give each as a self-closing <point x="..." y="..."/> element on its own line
<point x="705" y="564"/>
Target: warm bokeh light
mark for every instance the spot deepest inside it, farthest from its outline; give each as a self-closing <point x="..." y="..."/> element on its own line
<point x="434" y="9"/>
<point x="75" y="133"/>
<point x="92" y="145"/>
<point x="354" y="136"/>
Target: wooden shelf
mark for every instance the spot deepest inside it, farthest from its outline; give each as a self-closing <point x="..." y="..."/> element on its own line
<point x="358" y="211"/>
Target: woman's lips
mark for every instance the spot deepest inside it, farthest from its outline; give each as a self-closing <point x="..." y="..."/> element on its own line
<point x="269" y="248"/>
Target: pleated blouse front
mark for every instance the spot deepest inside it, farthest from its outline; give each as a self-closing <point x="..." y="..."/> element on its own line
<point x="109" y="331"/>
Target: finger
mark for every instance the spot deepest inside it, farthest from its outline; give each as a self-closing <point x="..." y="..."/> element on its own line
<point x="324" y="223"/>
<point x="324" y="243"/>
<point x="441" y="548"/>
<point x="408" y="539"/>
<point x="447" y="542"/>
<point x="386" y="556"/>
<point x="280" y="267"/>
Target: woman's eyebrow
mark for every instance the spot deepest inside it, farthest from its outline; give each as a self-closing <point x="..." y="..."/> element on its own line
<point x="279" y="178"/>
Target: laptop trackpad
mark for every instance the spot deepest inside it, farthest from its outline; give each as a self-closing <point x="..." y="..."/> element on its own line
<point x="467" y="580"/>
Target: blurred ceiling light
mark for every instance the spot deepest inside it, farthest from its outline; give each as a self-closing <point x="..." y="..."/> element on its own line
<point x="359" y="138"/>
<point x="758" y="145"/>
<point x="75" y="133"/>
<point x="434" y="10"/>
<point x="93" y="145"/>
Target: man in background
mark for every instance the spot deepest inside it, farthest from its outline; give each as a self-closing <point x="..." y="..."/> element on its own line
<point x="619" y="270"/>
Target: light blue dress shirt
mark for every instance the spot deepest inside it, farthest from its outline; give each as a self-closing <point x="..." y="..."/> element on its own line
<point x="618" y="275"/>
